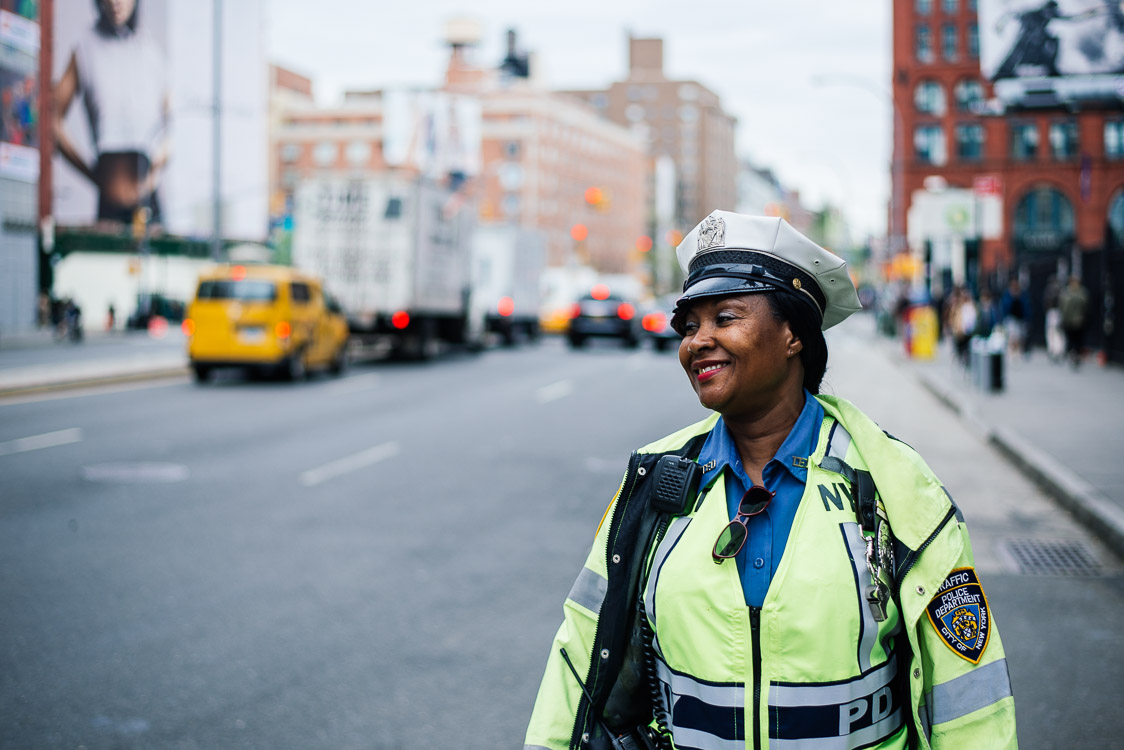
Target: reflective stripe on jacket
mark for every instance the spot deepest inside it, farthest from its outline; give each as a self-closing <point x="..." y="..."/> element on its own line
<point x="812" y="668"/>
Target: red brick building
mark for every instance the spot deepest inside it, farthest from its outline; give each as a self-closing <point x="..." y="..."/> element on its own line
<point x="1057" y="168"/>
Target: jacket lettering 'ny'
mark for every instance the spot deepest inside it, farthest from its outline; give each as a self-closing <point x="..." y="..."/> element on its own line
<point x="813" y="668"/>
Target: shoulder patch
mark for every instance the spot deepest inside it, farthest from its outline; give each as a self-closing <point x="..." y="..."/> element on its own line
<point x="960" y="615"/>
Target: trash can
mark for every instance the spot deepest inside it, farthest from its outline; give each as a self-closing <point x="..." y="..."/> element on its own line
<point x="986" y="362"/>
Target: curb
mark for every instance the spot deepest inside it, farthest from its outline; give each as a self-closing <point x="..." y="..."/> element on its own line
<point x="65" y="384"/>
<point x="1086" y="503"/>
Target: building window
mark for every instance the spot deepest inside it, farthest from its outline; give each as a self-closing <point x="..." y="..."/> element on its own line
<point x="969" y="96"/>
<point x="924" y="7"/>
<point x="1114" y="139"/>
<point x="358" y="153"/>
<point x="600" y="101"/>
<point x="290" y="152"/>
<point x="950" y="6"/>
<point x="1043" y="221"/>
<point x="1063" y="140"/>
<point x="325" y="153"/>
<point x="974" y="42"/>
<point x="969" y="142"/>
<point x="929" y="142"/>
<point x="929" y="98"/>
<point x="1024" y="141"/>
<point x="511" y="149"/>
<point x="1116" y="218"/>
<point x="635" y="112"/>
<point x="949" y="46"/>
<point x="924" y="44"/>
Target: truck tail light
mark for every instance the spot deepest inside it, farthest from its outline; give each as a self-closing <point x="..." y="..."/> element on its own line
<point x="506" y="306"/>
<point x="400" y="319"/>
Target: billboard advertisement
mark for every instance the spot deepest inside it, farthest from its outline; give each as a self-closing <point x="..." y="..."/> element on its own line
<point x="132" y="83"/>
<point x="19" y="93"/>
<point x="1050" y="52"/>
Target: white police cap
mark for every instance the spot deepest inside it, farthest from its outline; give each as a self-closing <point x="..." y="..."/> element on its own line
<point x="729" y="253"/>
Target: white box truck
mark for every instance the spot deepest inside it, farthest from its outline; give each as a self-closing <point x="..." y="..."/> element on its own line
<point x="396" y="251"/>
<point x="507" y="266"/>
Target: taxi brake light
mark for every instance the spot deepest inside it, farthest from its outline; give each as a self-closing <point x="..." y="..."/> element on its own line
<point x="238" y="273"/>
<point x="283" y="329"/>
<point x="188" y="326"/>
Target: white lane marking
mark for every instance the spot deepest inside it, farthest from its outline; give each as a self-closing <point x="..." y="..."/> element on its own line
<point x="554" y="391"/>
<point x="46" y="440"/>
<point x="353" y="384"/>
<point x="348" y="464"/>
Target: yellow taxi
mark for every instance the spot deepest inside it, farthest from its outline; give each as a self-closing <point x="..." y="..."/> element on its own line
<point x="264" y="317"/>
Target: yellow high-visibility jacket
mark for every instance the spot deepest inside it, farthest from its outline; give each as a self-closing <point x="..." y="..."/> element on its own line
<point x="814" y="667"/>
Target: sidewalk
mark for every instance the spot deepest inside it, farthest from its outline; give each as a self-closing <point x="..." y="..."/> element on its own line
<point x="1060" y="425"/>
<point x="35" y="362"/>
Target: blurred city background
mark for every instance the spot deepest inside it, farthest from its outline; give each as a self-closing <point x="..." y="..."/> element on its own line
<point x="326" y="330"/>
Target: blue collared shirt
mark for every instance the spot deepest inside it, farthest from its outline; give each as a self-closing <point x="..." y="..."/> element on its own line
<point x="768" y="531"/>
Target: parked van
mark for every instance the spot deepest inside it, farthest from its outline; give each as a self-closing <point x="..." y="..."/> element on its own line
<point x="264" y="317"/>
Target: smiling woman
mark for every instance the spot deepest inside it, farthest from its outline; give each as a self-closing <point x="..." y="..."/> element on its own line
<point x="763" y="577"/>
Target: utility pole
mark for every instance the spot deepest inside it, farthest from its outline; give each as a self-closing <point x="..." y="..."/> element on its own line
<point x="216" y="125"/>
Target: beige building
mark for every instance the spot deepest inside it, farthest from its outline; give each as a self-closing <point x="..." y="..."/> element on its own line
<point x="682" y="120"/>
<point x="540" y="154"/>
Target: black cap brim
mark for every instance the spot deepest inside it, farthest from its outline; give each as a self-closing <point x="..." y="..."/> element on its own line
<point x="716" y="286"/>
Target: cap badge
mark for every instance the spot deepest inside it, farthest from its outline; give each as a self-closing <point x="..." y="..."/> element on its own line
<point x="796" y="283"/>
<point x="712" y="233"/>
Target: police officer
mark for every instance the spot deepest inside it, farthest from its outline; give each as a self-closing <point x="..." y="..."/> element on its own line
<point x="816" y="588"/>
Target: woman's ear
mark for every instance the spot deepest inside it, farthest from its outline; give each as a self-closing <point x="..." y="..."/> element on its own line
<point x="795" y="346"/>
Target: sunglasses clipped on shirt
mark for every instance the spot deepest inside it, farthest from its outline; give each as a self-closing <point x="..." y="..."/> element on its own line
<point x="730" y="542"/>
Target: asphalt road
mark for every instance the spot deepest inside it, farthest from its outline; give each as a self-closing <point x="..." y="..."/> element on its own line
<point x="379" y="561"/>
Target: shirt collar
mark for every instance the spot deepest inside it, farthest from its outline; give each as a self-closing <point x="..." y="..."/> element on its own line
<point x="719" y="450"/>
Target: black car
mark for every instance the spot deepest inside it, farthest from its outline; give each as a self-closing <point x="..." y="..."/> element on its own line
<point x="602" y="314"/>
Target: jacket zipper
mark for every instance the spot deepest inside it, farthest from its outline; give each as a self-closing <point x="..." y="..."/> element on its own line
<point x="755" y="630"/>
<point x="622" y="501"/>
<point x="911" y="558"/>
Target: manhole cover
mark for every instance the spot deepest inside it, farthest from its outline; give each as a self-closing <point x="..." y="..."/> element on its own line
<point x="1053" y="557"/>
<point x="149" y="472"/>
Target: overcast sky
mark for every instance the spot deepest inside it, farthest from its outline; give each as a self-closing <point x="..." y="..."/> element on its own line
<point x="808" y="80"/>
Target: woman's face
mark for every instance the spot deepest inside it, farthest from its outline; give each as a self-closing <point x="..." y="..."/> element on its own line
<point x="739" y="358"/>
<point x="118" y="11"/>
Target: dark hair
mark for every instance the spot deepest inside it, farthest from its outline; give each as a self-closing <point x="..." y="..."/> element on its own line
<point x="805" y="324"/>
<point x="106" y="27"/>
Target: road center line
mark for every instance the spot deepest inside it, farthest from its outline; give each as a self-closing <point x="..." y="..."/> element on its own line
<point x="348" y="464"/>
<point x="46" y="440"/>
<point x="554" y="391"/>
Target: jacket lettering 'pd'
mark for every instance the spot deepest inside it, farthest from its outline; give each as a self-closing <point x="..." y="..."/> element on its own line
<point x="815" y="666"/>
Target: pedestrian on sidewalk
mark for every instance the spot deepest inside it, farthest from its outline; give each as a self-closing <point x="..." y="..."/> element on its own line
<point x="685" y="627"/>
<point x="1074" y="304"/>
<point x="1055" y="338"/>
<point x="962" y="319"/>
<point x="989" y="316"/>
<point x="1015" y="306"/>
